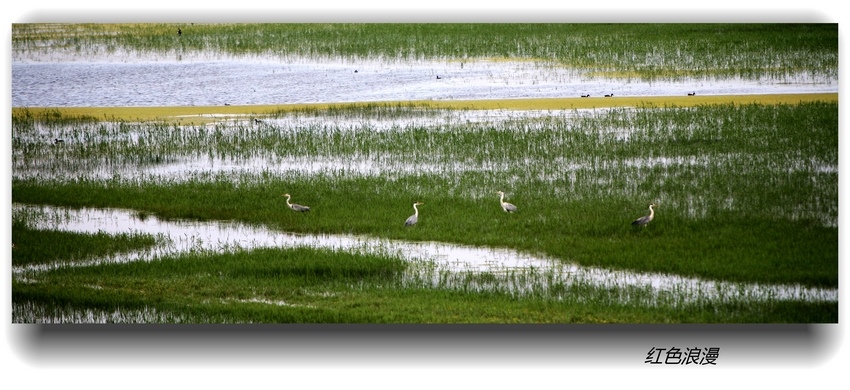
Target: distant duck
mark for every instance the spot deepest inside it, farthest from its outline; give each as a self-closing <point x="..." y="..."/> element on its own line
<point x="611" y="95"/>
<point x="438" y="77"/>
<point x="588" y="95"/>
<point x="692" y="93"/>
<point x="257" y="121"/>
<point x="226" y="104"/>
<point x="179" y="32"/>
<point x="58" y="141"/>
<point x="355" y="70"/>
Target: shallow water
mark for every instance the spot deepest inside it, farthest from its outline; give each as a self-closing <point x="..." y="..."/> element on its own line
<point x="257" y="81"/>
<point x="172" y="82"/>
<point x="63" y="161"/>
<point x="149" y="154"/>
<point x="434" y="263"/>
<point x="29" y="312"/>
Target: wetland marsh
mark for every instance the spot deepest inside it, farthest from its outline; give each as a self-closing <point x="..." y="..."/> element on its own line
<point x="746" y="228"/>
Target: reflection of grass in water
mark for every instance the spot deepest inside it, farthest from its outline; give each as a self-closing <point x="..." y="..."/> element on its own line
<point x="752" y="210"/>
<point x="719" y="245"/>
<point x="646" y="50"/>
<point x="741" y="188"/>
<point x="39" y="247"/>
<point x="668" y="75"/>
<point x="305" y="285"/>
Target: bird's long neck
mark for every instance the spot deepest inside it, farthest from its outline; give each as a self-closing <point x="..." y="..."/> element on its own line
<point x="287" y="200"/>
<point x="502" y="197"/>
<point x="416" y="211"/>
<point x="651" y="212"/>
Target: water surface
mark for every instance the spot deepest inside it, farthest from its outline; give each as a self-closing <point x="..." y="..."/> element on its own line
<point x="440" y="264"/>
<point x="265" y="81"/>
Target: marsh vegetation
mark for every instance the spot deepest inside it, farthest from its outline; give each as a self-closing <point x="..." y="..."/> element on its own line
<point x="746" y="194"/>
<point x="645" y="51"/>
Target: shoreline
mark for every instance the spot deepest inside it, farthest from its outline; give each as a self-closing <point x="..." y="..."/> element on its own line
<point x="205" y="114"/>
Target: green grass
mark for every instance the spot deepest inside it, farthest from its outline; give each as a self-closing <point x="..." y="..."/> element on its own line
<point x="204" y="115"/>
<point x="648" y="51"/>
<point x="31" y="246"/>
<point x="741" y="190"/>
<point x="320" y="286"/>
<point x="724" y="246"/>
<point x="747" y="190"/>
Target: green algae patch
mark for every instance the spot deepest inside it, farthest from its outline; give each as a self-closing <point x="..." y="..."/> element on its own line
<point x="189" y="115"/>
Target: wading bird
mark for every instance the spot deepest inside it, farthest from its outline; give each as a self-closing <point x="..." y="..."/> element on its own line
<point x="295" y="207"/>
<point x="415" y="217"/>
<point x="642" y="221"/>
<point x="509" y="208"/>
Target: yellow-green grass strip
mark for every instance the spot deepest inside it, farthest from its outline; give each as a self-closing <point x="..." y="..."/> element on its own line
<point x="206" y="114"/>
<point x="627" y="101"/>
